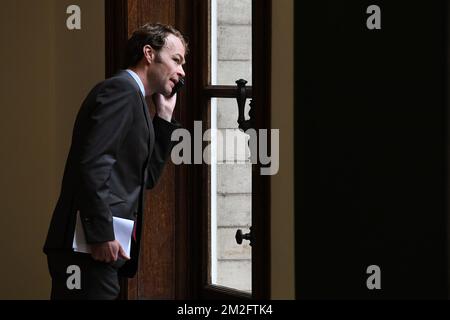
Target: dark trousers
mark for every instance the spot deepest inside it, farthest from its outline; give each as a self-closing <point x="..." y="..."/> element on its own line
<point x="76" y="276"/>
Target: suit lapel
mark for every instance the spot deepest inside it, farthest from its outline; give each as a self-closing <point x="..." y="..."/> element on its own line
<point x="146" y="112"/>
<point x="144" y="103"/>
<point x="148" y="121"/>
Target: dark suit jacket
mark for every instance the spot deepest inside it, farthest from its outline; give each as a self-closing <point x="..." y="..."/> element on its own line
<point x="117" y="152"/>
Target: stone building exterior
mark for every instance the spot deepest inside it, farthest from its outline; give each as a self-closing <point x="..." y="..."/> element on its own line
<point x="233" y="61"/>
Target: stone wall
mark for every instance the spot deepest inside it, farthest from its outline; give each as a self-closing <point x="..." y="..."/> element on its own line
<point x="234" y="54"/>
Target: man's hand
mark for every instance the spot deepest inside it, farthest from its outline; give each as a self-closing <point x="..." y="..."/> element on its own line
<point x="108" y="251"/>
<point x="164" y="105"/>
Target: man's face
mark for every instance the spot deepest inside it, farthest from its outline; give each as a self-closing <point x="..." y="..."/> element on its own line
<point x="167" y="66"/>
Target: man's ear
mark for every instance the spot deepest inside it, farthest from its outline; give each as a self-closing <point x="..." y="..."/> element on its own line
<point x="149" y="53"/>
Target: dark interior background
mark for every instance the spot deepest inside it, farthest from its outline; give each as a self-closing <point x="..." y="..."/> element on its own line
<point x="370" y="125"/>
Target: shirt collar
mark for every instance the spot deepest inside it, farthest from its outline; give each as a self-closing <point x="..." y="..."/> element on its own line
<point x="138" y="80"/>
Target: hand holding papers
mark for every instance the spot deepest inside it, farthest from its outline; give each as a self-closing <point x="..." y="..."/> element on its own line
<point x="123" y="229"/>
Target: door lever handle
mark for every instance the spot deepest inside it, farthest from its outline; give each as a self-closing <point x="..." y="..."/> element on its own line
<point x="241" y="97"/>
<point x="240" y="236"/>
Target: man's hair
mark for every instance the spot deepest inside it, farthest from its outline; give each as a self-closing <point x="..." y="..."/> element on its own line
<point x="153" y="34"/>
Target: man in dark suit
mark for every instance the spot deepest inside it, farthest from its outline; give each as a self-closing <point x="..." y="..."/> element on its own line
<point x="117" y="152"/>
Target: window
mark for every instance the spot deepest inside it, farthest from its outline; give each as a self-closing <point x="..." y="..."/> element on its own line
<point x="231" y="170"/>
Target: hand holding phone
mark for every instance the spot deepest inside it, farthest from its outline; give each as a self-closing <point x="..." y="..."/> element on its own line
<point x="166" y="104"/>
<point x="177" y="87"/>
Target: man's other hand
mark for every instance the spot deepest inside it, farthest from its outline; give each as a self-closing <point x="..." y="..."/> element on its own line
<point x="108" y="252"/>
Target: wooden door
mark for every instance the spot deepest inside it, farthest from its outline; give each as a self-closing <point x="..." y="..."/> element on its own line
<point x="163" y="263"/>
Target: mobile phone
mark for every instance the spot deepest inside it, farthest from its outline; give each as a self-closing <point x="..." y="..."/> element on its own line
<point x="177" y="87"/>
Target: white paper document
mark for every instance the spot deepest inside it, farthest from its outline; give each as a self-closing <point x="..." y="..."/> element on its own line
<point x="123" y="228"/>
